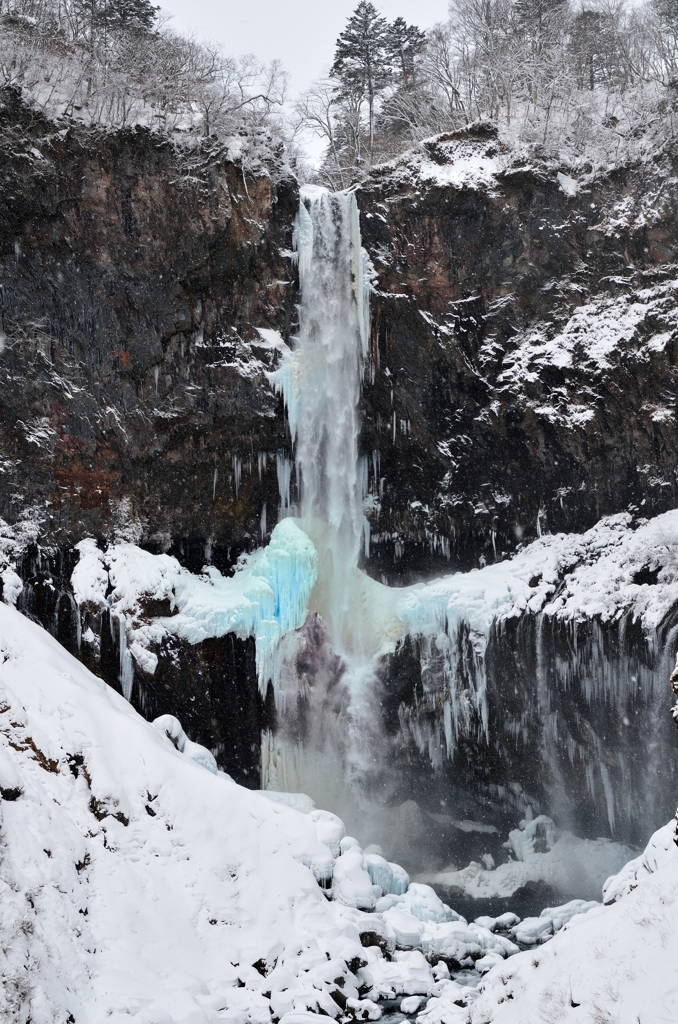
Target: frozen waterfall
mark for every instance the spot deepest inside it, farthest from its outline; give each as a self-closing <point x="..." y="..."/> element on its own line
<point x="320" y="381"/>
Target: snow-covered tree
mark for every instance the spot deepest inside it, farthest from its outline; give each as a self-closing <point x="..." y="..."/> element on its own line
<point x="362" y="60"/>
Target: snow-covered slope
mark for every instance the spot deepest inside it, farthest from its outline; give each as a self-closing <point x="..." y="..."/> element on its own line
<point x="134" y="883"/>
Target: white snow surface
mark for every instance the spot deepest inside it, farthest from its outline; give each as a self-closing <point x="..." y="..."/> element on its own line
<point x="572" y="576"/>
<point x="135" y="884"/>
<point x="138" y="886"/>
<point x="612" y="964"/>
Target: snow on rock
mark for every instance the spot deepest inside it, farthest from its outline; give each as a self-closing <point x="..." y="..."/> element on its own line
<point x="170" y="727"/>
<point x="471" y="159"/>
<point x="329" y="829"/>
<point x="565" y="862"/>
<point x="351" y="883"/>
<point x="407" y="974"/>
<point x="407" y="930"/>
<point x="532" y="930"/>
<point x="137" y="885"/>
<point x="559" y="916"/>
<point x="14" y="539"/>
<point x="660" y="850"/>
<point x="152" y="595"/>
<point x="593" y="574"/>
<point x="601" y="574"/>
<point x="613" y="964"/>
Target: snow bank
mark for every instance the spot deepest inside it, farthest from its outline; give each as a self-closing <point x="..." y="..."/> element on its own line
<point x="612" y="964"/>
<point x="660" y="850"/>
<point x="572" y="576"/>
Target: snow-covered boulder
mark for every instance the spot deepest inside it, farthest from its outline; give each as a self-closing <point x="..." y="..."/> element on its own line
<point x="170" y="727"/>
<point x="329" y="829"/>
<point x="421" y="901"/>
<point x="351" y="883"/>
<point x="660" y="850"/>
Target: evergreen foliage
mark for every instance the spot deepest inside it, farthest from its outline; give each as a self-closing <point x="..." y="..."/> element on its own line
<point x="592" y="76"/>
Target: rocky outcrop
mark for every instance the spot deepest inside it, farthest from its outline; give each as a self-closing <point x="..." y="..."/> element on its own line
<point x="524" y="332"/>
<point x="134" y="272"/>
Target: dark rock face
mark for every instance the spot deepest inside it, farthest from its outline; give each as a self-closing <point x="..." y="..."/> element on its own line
<point x="577" y="726"/>
<point x="505" y="431"/>
<point x="133" y="274"/>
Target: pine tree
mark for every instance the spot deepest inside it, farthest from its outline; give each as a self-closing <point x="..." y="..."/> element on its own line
<point x="132" y="13"/>
<point x="361" y="58"/>
<point x="405" y="43"/>
<point x="100" y="15"/>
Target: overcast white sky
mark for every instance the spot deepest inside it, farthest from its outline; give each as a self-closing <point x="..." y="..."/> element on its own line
<point x="301" y="33"/>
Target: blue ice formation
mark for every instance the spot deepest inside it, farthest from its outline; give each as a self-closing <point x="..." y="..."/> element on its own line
<point x="391" y="878"/>
<point x="289" y="565"/>
<point x="421" y="901"/>
<point x="267" y="597"/>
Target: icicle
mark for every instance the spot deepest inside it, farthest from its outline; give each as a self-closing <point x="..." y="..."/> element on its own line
<point x="214" y="483"/>
<point x="283" y="468"/>
<point x="262" y="522"/>
<point x="126" y="664"/>
<point x="237" y="473"/>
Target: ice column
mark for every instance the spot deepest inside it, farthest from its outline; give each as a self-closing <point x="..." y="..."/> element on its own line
<point x="321" y="381"/>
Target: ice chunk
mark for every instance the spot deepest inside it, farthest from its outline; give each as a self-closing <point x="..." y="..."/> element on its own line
<point x="406" y="928"/>
<point x="505" y="922"/>
<point x="410" y="1004"/>
<point x="532" y="930"/>
<point x="487" y="962"/>
<point x="391" y="878"/>
<point x="454" y="940"/>
<point x="421" y="901"/>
